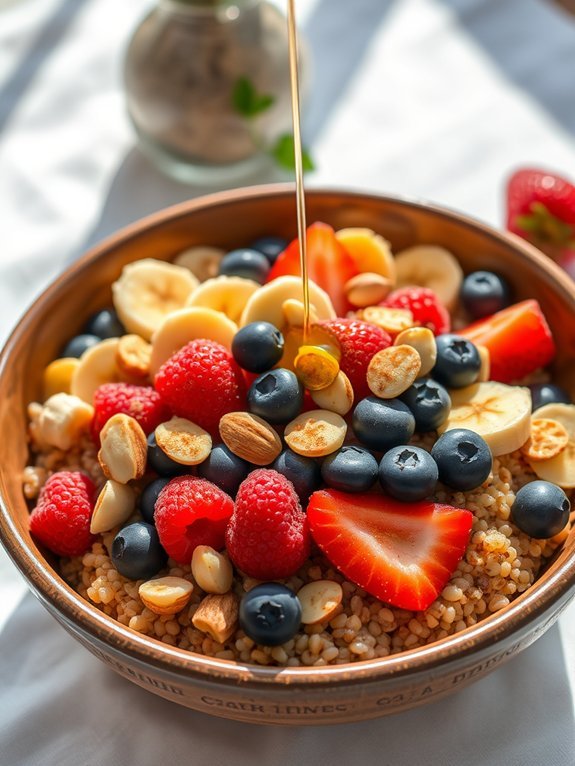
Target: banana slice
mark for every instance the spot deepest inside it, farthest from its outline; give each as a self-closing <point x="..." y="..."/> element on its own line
<point x="226" y="294"/>
<point x="267" y="303"/>
<point x="499" y="413"/>
<point x="369" y="251"/>
<point x="147" y="291"/>
<point x="560" y="469"/>
<point x="97" y="366"/>
<point x="433" y="267"/>
<point x="202" y="261"/>
<point x="182" y="326"/>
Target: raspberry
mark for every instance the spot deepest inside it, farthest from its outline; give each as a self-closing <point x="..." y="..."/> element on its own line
<point x="202" y="382"/>
<point x="358" y="341"/>
<point x="191" y="512"/>
<point x="425" y="306"/>
<point x="268" y="535"/>
<point x="140" y="402"/>
<point x="61" y="518"/>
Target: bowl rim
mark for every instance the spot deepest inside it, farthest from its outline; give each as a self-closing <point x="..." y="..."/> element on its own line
<point x="550" y="588"/>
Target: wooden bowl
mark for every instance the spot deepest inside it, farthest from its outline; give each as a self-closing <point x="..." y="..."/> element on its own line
<point x="252" y="693"/>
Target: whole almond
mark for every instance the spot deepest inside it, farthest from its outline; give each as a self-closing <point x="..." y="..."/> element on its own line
<point x="319" y="600"/>
<point x="316" y="433"/>
<point x="392" y="371"/>
<point x="212" y="571"/>
<point x="337" y="397"/>
<point x="183" y="441"/>
<point x="217" y="615"/>
<point x="115" y="505"/>
<point x="250" y="437"/>
<point x="367" y="289"/>
<point x="423" y="341"/>
<point x="165" y="595"/>
<point x="133" y="356"/>
<point x="124" y="449"/>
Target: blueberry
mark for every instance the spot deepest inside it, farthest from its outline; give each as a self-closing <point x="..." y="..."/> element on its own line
<point x="548" y="393"/>
<point x="541" y="509"/>
<point x="408" y="473"/>
<point x="161" y="463"/>
<point x="429" y="402"/>
<point x="105" y="324"/>
<point x="458" y="361"/>
<point x="271" y="247"/>
<point x="303" y="472"/>
<point x="463" y="458"/>
<point x="137" y="553"/>
<point x="246" y="263"/>
<point x="276" y="396"/>
<point x="258" y="346"/>
<point x="79" y="344"/>
<point x="224" y="469"/>
<point x="382" y="424"/>
<point x="350" y="469"/>
<point x="148" y="499"/>
<point x="270" y="614"/>
<point x="484" y="292"/>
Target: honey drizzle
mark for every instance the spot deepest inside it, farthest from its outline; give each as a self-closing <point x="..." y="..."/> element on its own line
<point x="300" y="194"/>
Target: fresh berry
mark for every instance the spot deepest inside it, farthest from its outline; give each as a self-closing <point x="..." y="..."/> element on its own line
<point x="303" y="472"/>
<point x="458" y="361"/>
<point x="400" y="553"/>
<point x="147" y="501"/>
<point x="202" y="382"/>
<point x="381" y="424"/>
<point x="161" y="463"/>
<point x="358" y="342"/>
<point x="540" y="509"/>
<point x="224" y="469"/>
<point x="329" y="265"/>
<point x="276" y="396"/>
<point x="463" y="458"/>
<point x="140" y="402"/>
<point x="270" y="614"/>
<point x="271" y="247"/>
<point x="425" y="306"/>
<point x="258" y="346"/>
<point x="268" y="535"/>
<point x="518" y="339"/>
<point x="547" y="393"/>
<point x="408" y="473"/>
<point x="191" y="512"/>
<point x="429" y="402"/>
<point x="137" y="553"/>
<point x="483" y="293"/>
<point x="79" y="344"/>
<point x="105" y="324"/>
<point x="245" y="263"/>
<point x="350" y="469"/>
<point x="61" y="518"/>
<point x="541" y="209"/>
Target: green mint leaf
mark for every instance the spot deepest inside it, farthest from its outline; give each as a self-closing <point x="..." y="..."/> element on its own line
<point x="283" y="152"/>
<point x="247" y="101"/>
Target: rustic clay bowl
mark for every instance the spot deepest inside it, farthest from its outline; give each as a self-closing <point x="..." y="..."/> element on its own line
<point x="258" y="694"/>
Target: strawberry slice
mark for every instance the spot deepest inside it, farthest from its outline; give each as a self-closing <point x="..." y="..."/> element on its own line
<point x="402" y="553"/>
<point x="329" y="264"/>
<point x="518" y="338"/>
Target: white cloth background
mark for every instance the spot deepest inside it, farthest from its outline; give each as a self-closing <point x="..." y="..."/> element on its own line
<point x="438" y="99"/>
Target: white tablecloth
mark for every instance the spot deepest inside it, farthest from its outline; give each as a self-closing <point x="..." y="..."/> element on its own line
<point x="438" y="99"/>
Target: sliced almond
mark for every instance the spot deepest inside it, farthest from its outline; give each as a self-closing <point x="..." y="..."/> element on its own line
<point x="123" y="453"/>
<point x="217" y="615"/>
<point x="166" y="595"/>
<point x="133" y="356"/>
<point x="212" y="571"/>
<point x="393" y="321"/>
<point x="316" y="433"/>
<point x="183" y="441"/>
<point x="367" y="289"/>
<point x="250" y="437"/>
<point x="337" y="397"/>
<point x="548" y="438"/>
<point x="485" y="369"/>
<point x="392" y="371"/>
<point x="63" y="418"/>
<point x="423" y="341"/>
<point x="115" y="505"/>
<point x="319" y="600"/>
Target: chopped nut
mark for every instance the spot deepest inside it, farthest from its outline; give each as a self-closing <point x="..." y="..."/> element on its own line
<point x="250" y="437"/>
<point x="393" y="321"/>
<point x="316" y="433"/>
<point x="133" y="356"/>
<point x="212" y="571"/>
<point x="367" y="289"/>
<point x="115" y="504"/>
<point x="319" y="600"/>
<point x="337" y="397"/>
<point x="217" y="615"/>
<point x="423" y="341"/>
<point x="392" y="371"/>
<point x="124" y="449"/>
<point x="166" y="595"/>
<point x="548" y="438"/>
<point x="183" y="441"/>
<point x="62" y="419"/>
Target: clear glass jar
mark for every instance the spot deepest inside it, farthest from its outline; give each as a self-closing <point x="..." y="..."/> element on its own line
<point x="207" y="86"/>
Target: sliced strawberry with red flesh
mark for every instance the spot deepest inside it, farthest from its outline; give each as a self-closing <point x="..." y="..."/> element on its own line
<point x="518" y="338"/>
<point x="329" y="264"/>
<point x="401" y="553"/>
